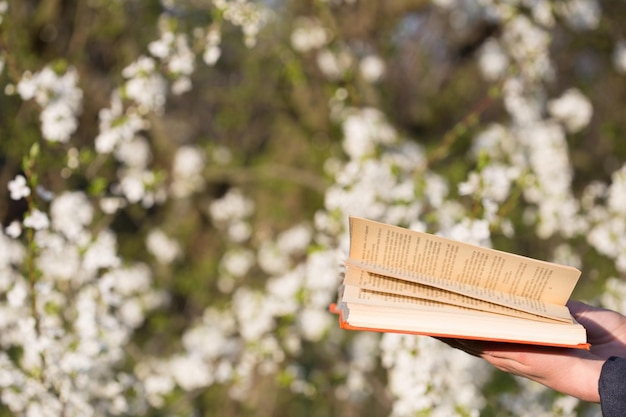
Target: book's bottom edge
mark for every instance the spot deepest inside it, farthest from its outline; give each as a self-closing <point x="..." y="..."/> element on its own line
<point x="333" y="308"/>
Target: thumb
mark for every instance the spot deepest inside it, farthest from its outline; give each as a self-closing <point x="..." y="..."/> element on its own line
<point x="580" y="310"/>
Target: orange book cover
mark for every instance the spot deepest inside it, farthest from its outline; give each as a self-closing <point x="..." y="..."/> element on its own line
<point x="333" y="308"/>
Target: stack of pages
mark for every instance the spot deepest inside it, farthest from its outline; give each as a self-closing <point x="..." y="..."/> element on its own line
<point x="399" y="280"/>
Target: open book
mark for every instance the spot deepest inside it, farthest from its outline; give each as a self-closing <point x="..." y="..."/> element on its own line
<point x="399" y="280"/>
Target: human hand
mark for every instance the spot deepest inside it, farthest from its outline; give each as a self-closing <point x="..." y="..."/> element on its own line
<point x="570" y="371"/>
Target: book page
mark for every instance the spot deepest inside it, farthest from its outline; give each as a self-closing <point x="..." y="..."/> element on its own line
<point x="487" y="274"/>
<point x="371" y="311"/>
<point x="352" y="294"/>
<point x="408" y="292"/>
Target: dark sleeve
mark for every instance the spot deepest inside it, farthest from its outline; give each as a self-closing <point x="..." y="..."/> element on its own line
<point x="612" y="387"/>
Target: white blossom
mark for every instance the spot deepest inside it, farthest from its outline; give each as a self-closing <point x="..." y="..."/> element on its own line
<point x="102" y="253"/>
<point x="232" y="206"/>
<point x="573" y="109"/>
<point x="135" y="152"/>
<point x="334" y="64"/>
<point x="117" y="125"/>
<point x="308" y="34"/>
<point x="580" y="14"/>
<point x="19" y="188"/>
<point x="616" y="201"/>
<point x="212" y="51"/>
<point x="254" y="314"/>
<point x="237" y="263"/>
<point x="165" y="249"/>
<point x="493" y="60"/>
<point x="60" y="99"/>
<point x="37" y="220"/>
<point x="528" y="44"/>
<point x="14" y="229"/>
<point x="70" y="213"/>
<point x="475" y="232"/>
<point x="363" y="130"/>
<point x="189" y="162"/>
<point x="295" y="240"/>
<point x="271" y="259"/>
<point x="313" y="323"/>
<point x="249" y="16"/>
<point x="372" y="68"/>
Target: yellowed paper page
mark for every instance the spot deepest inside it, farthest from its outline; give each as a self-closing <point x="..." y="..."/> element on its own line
<point x="352" y="294"/>
<point x="479" y="272"/>
<point x="407" y="293"/>
<point x="370" y="310"/>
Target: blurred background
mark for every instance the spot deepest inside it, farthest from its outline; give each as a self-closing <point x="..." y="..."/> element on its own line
<point x="176" y="177"/>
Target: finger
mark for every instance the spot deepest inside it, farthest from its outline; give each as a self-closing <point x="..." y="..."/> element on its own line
<point x="580" y="309"/>
<point x="460" y="344"/>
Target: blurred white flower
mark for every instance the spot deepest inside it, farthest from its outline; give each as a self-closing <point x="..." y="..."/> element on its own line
<point x="542" y="12"/>
<point x="238" y="262"/>
<point x="58" y="258"/>
<point x="135" y="152"/>
<point x="372" y="68"/>
<point x="58" y="122"/>
<point x="232" y="206"/>
<point x="18" y="188"/>
<point x="131" y="313"/>
<point x="102" y="253"/>
<point x="249" y="16"/>
<point x="493" y="182"/>
<point x="190" y="372"/>
<point x="580" y="14"/>
<point x="436" y="189"/>
<point x="283" y="290"/>
<point x="254" y="313"/>
<point x="271" y="259"/>
<point x="474" y="232"/>
<point x="573" y="109"/>
<point x="363" y="130"/>
<point x="70" y="213"/>
<point x="212" y="50"/>
<point x="16" y="297"/>
<point x="162" y="247"/>
<point x="133" y="184"/>
<point x="308" y="34"/>
<point x="334" y="64"/>
<point x="493" y="60"/>
<point x="37" y="220"/>
<point x="239" y="231"/>
<point x="523" y="105"/>
<point x="60" y="99"/>
<point x="148" y="91"/>
<point x="117" y="125"/>
<point x="181" y="61"/>
<point x="109" y="205"/>
<point x="616" y="201"/>
<point x="126" y="281"/>
<point x="187" y="167"/>
<point x="313" y="323"/>
<point x="528" y="44"/>
<point x="212" y="54"/>
<point x="162" y="47"/>
<point x="14" y="229"/>
<point x="295" y="240"/>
